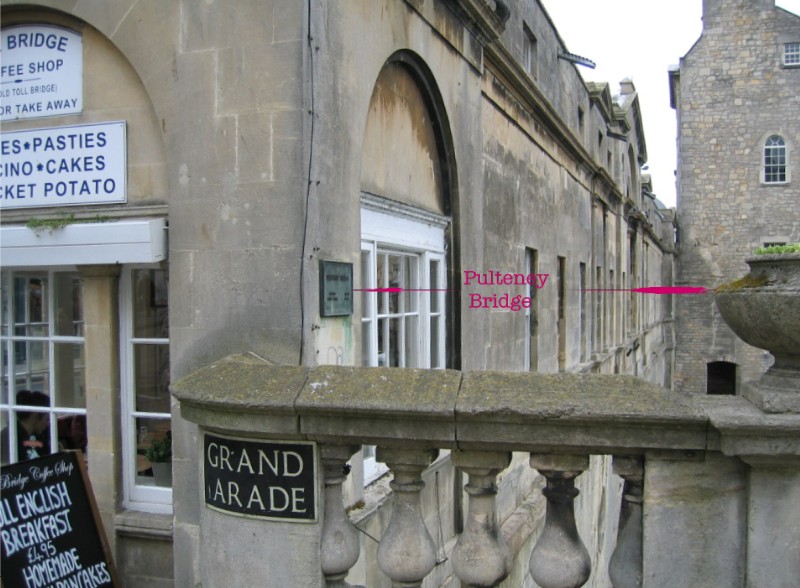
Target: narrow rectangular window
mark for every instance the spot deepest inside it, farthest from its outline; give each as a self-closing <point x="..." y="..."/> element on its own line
<point x="791" y="54"/>
<point x="145" y="406"/>
<point x="530" y="50"/>
<point x="562" y="314"/>
<point x="532" y="322"/>
<point x="582" y="270"/>
<point x="775" y="160"/>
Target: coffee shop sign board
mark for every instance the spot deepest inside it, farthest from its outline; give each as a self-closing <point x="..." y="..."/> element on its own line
<point x="41" y="72"/>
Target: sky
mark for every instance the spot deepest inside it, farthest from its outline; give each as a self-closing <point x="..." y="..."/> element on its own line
<point x="638" y="39"/>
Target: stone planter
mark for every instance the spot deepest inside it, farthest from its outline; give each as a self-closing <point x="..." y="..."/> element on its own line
<point x="763" y="309"/>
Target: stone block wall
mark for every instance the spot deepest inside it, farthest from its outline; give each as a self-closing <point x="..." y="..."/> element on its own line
<point x="733" y="93"/>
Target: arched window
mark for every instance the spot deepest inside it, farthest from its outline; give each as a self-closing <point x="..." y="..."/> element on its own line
<point x="775" y="160"/>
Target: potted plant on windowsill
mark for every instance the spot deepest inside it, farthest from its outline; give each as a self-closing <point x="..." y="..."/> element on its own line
<point x="159" y="454"/>
<point x="763" y="309"/>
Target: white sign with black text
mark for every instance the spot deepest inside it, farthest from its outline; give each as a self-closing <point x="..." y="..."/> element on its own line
<point x="63" y="166"/>
<point x="41" y="72"/>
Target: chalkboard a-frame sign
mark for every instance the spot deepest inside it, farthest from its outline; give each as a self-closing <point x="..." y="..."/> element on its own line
<point x="51" y="530"/>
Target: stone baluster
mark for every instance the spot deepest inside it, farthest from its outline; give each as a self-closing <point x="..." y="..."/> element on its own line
<point x="406" y="552"/>
<point x="559" y="558"/>
<point x="481" y="557"/>
<point x="339" y="544"/>
<point x="625" y="566"/>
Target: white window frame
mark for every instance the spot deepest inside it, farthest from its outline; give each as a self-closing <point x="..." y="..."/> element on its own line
<point x="766" y="150"/>
<point x="156" y="499"/>
<point x="791" y="54"/>
<point x="10" y="408"/>
<point x="389" y="227"/>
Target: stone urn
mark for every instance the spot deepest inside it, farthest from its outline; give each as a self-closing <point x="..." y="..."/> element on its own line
<point x="763" y="309"/>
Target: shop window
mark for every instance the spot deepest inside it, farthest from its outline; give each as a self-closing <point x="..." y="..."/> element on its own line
<point x="146" y="422"/>
<point x="775" y="160"/>
<point x="721" y="377"/>
<point x="43" y="397"/>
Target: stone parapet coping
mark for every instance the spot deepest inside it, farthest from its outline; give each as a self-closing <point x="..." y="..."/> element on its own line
<point x="479" y="410"/>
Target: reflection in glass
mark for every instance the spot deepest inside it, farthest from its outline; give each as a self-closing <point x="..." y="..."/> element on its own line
<point x="151" y="365"/>
<point x="153" y="447"/>
<point x="68" y="304"/>
<point x="70" y="375"/>
<point x="150" y="310"/>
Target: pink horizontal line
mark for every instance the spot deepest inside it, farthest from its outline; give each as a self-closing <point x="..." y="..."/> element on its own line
<point x="397" y="290"/>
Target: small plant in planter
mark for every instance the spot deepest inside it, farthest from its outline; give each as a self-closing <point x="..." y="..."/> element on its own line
<point x="778" y="249"/>
<point x="159" y="454"/>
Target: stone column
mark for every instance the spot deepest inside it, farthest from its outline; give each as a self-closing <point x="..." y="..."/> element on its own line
<point x="339" y="545"/>
<point x="559" y="558"/>
<point x="481" y="557"/>
<point x="773" y="523"/>
<point x="101" y="331"/>
<point x="625" y="566"/>
<point x="406" y="552"/>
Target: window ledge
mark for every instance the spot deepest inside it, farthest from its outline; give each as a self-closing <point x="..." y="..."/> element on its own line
<point x="131" y="523"/>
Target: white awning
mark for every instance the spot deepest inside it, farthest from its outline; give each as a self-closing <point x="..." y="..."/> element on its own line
<point x="85" y="243"/>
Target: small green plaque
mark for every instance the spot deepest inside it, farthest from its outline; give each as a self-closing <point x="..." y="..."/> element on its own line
<point x="336" y="288"/>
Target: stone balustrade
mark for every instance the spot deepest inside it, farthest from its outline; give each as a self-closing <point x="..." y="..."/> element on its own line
<point x="702" y="476"/>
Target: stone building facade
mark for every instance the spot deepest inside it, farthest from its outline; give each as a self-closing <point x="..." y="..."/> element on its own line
<point x="433" y="144"/>
<point x="736" y="97"/>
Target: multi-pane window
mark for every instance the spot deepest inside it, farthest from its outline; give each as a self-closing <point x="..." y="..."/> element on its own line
<point x="405" y="325"/>
<point x="43" y="397"/>
<point x="791" y="54"/>
<point x="775" y="160"/>
<point x="146" y="426"/>
<point x="402" y="327"/>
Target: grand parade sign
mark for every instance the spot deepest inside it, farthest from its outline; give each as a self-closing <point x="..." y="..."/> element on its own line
<point x="50" y="528"/>
<point x="63" y="166"/>
<point x="41" y="73"/>
<point x="263" y="479"/>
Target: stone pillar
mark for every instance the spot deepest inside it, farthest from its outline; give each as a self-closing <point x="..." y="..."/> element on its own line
<point x="773" y="523"/>
<point x="101" y="331"/>
<point x="559" y="558"/>
<point x="694" y="520"/>
<point x="339" y="544"/>
<point x="406" y="552"/>
<point x="625" y="566"/>
<point x="481" y="557"/>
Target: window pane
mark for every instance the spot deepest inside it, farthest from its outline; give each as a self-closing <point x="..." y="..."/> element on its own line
<point x="395" y="281"/>
<point x="394" y="347"/>
<point x="72" y="432"/>
<point x="150" y="316"/>
<point x="68" y="305"/>
<point x="31" y="359"/>
<point x="151" y="365"/>
<point x="153" y="446"/>
<point x="4" y="383"/>
<point x="69" y="373"/>
<point x="435" y="342"/>
<point x="30" y="306"/>
<point x="434" y="281"/>
<point x="383" y="337"/>
<point x="411" y="341"/>
<point x="380" y="272"/>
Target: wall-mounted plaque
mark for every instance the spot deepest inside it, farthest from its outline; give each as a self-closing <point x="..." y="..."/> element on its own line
<point x="335" y="288"/>
<point x="263" y="479"/>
